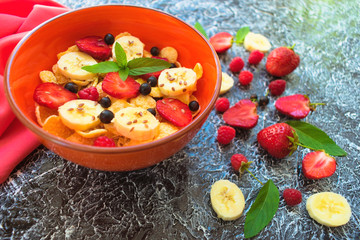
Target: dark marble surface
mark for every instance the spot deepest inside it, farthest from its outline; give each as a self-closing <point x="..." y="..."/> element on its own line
<point x="48" y="197"/>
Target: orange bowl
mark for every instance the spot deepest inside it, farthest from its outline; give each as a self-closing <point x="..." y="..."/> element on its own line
<point x="37" y="51"/>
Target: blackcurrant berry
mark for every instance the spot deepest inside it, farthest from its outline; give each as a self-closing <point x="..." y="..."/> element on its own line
<point x="72" y="87"/>
<point x="194" y="106"/>
<point x="106" y="116"/>
<point x="105" y="102"/>
<point x="154" y="51"/>
<point x="109" y="39"/>
<point x="263" y="101"/>
<point x="152" y="111"/>
<point x="145" y="89"/>
<point x="152" y="80"/>
<point x="173" y="65"/>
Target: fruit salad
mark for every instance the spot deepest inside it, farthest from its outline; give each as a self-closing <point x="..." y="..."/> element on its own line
<point x="111" y="92"/>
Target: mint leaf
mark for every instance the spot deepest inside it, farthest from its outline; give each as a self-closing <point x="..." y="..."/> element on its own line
<point x="262" y="210"/>
<point x="124" y="73"/>
<point x="315" y="139"/>
<point x="102" y="67"/>
<point x="140" y="66"/>
<point x="241" y="34"/>
<point x="201" y="29"/>
<point x="120" y="55"/>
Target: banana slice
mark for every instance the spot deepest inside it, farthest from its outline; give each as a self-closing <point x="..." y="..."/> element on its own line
<point x="255" y="41"/>
<point x="136" y="123"/>
<point x="328" y="208"/>
<point x="80" y="114"/>
<point x="227" y="200"/>
<point x="132" y="46"/>
<point x="175" y="81"/>
<point x="70" y="65"/>
<point x="227" y="82"/>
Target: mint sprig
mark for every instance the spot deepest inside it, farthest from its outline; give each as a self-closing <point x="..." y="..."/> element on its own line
<point x="200" y="28"/>
<point x="314" y="138"/>
<point x="241" y="34"/>
<point x="134" y="67"/>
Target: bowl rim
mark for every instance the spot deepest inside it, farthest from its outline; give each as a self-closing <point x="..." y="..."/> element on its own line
<point x="36" y="129"/>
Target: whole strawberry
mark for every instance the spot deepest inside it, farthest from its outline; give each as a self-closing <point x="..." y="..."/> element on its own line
<point x="282" y="61"/>
<point x="292" y="196"/>
<point x="279" y="140"/>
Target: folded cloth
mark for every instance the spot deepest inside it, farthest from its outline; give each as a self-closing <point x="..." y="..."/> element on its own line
<point x="20" y="16"/>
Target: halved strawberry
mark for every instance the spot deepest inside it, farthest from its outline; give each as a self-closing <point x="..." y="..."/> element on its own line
<point x="318" y="165"/>
<point x="221" y="41"/>
<point x="174" y="111"/>
<point x="296" y="106"/>
<point x="52" y="95"/>
<point x="116" y="87"/>
<point x="95" y="46"/>
<point x="243" y="114"/>
<point x="275" y="139"/>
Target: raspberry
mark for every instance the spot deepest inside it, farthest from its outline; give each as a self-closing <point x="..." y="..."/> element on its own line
<point x="236" y="64"/>
<point x="245" y="77"/>
<point x="225" y="134"/>
<point x="89" y="93"/>
<point x="292" y="196"/>
<point x="237" y="160"/>
<point x="255" y="57"/>
<point x="222" y="104"/>
<point x="277" y="87"/>
<point x="104" y="141"/>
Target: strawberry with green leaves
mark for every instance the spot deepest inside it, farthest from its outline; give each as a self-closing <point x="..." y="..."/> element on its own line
<point x="282" y="61"/>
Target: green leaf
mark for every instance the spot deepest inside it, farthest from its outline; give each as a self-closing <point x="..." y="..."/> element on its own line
<point x="120" y="55"/>
<point x="201" y="29"/>
<point x="124" y="73"/>
<point x="315" y="139"/>
<point x="140" y="66"/>
<point x="262" y="210"/>
<point x="102" y="67"/>
<point x="241" y="34"/>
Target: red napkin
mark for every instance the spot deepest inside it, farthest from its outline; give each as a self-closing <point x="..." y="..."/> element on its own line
<point x="19" y="16"/>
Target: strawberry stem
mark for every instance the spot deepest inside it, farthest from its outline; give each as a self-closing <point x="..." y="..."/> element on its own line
<point x="254" y="176"/>
<point x="314" y="105"/>
<point x="304" y="146"/>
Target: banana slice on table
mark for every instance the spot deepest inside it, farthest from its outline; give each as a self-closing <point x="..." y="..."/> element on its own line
<point x="175" y="81"/>
<point x="254" y="41"/>
<point x="70" y="65"/>
<point x="328" y="208"/>
<point x="227" y="82"/>
<point x="136" y="123"/>
<point x="80" y="114"/>
<point x="132" y="46"/>
<point x="227" y="200"/>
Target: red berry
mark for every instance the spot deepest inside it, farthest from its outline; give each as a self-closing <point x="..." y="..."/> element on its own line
<point x="222" y="104"/>
<point x="236" y="64"/>
<point x="225" y="134"/>
<point x="277" y="87"/>
<point x="95" y="46"/>
<point x="255" y="57"/>
<point x="282" y="61"/>
<point x="292" y="196"/>
<point x="243" y="114"/>
<point x="237" y="160"/>
<point x="174" y="111"/>
<point x="52" y="95"/>
<point x="221" y="41"/>
<point x="104" y="141"/>
<point x="116" y="87"/>
<point x="90" y="93"/>
<point x="274" y="139"/>
<point x="245" y="77"/>
<point x="318" y="165"/>
<point x="296" y="106"/>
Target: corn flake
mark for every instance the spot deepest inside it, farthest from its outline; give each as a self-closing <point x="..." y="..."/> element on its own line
<point x="143" y="101"/>
<point x="47" y="76"/>
<point x="92" y="133"/>
<point x="54" y="125"/>
<point x="73" y="48"/>
<point x="76" y="138"/>
<point x="198" y="70"/>
<point x="169" y="53"/>
<point x="122" y="35"/>
<point x="166" y="129"/>
<point x="42" y="113"/>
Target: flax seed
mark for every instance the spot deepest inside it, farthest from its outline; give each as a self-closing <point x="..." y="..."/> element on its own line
<point x="129" y="123"/>
<point x="93" y="118"/>
<point x="70" y="109"/>
<point x="81" y="104"/>
<point x="173" y="89"/>
<point x="145" y="121"/>
<point x="135" y="121"/>
<point x="121" y="115"/>
<point x="184" y="90"/>
<point x="79" y="109"/>
<point x="161" y="85"/>
<point x="132" y="129"/>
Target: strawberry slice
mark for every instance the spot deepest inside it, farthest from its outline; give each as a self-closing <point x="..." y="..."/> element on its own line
<point x="221" y="41"/>
<point x="116" y="87"/>
<point x="95" y="46"/>
<point x="174" y="111"/>
<point x="296" y="106"/>
<point x="316" y="165"/>
<point x="243" y="114"/>
<point x="52" y="95"/>
<point x="147" y="75"/>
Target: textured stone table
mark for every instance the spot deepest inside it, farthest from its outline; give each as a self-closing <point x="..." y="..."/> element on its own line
<point x="48" y="197"/>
